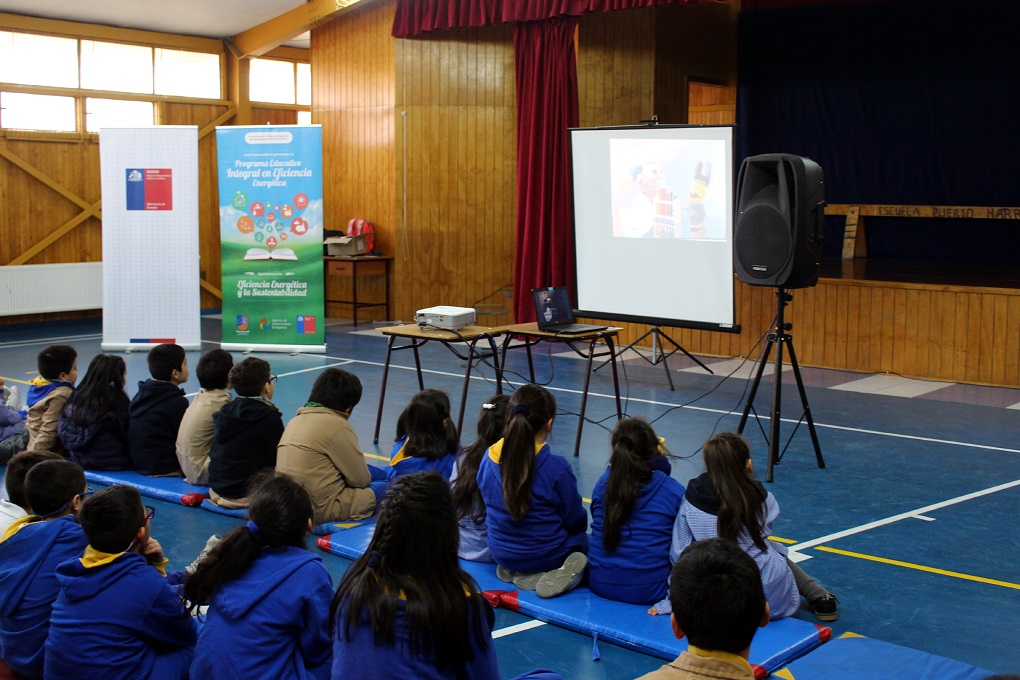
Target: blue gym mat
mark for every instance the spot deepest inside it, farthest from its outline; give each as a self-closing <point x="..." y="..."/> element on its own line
<point x="626" y="625"/>
<point x="173" y="489"/>
<point x="851" y="656"/>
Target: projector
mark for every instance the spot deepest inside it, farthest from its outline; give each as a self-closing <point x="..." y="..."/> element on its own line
<point x="445" y="317"/>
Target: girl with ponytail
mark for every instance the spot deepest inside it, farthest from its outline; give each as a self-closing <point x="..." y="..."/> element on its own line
<point x="268" y="596"/>
<point x="728" y="502"/>
<point x="93" y="425"/>
<point x="633" y="507"/>
<point x="535" y="520"/>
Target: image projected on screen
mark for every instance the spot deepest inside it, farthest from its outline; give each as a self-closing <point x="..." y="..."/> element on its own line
<point x="662" y="189"/>
<point x="653" y="224"/>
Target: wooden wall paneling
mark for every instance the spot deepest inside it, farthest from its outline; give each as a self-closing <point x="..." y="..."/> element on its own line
<point x="995" y="363"/>
<point x="1010" y="341"/>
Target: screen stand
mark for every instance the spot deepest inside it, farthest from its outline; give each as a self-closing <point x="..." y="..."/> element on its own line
<point x="778" y="337"/>
<point x="658" y="354"/>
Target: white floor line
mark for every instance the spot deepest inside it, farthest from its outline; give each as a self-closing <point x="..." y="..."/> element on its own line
<point x="803" y="545"/>
<point x="520" y="627"/>
<point x="64" y="339"/>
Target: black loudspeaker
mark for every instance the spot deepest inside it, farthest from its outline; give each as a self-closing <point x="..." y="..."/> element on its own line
<point x="778" y="232"/>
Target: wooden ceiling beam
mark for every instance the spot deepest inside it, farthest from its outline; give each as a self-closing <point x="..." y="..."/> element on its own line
<point x="258" y="40"/>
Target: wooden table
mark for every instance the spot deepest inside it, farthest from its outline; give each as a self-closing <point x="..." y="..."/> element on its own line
<point x="529" y="336"/>
<point x="360" y="265"/>
<point x="418" y="335"/>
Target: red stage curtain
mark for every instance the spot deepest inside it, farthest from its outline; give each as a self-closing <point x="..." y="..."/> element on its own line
<point x="546" y="79"/>
<point x="414" y="17"/>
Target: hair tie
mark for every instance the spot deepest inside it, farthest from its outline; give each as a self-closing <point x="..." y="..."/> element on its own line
<point x="626" y="441"/>
<point x="488" y="407"/>
<point x="521" y="408"/>
<point x="252" y="527"/>
<point x="374" y="559"/>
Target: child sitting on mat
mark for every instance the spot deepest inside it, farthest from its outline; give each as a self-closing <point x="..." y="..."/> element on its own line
<point x="534" y="517"/>
<point x="467" y="499"/>
<point x="320" y="450"/>
<point x="718" y="605"/>
<point x="13" y="438"/>
<point x="195" y="435"/>
<point x="116" y="617"/>
<point x="727" y="501"/>
<point x="268" y="596"/>
<point x="94" y="422"/>
<point x="405" y="608"/>
<point x="427" y="440"/>
<point x="156" y="413"/>
<point x="14" y="481"/>
<point x="633" y="507"/>
<point x="47" y="394"/>
<point x="30" y="550"/>
<point x="246" y="432"/>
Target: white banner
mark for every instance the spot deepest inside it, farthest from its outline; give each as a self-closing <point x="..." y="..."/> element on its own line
<point x="150" y="237"/>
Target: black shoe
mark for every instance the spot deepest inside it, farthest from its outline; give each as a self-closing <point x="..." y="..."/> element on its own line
<point x="825" y="608"/>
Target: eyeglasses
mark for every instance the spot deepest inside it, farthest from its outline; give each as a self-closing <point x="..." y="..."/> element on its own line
<point x="273" y="378"/>
<point x="149" y="513"/>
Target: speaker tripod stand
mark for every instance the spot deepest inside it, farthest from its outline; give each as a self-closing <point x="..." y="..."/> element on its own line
<point x="659" y="355"/>
<point x="778" y="337"/>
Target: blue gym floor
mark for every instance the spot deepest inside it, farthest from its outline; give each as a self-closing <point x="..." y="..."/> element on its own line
<point x="914" y="523"/>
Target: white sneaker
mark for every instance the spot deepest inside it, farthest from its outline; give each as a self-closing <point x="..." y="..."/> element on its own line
<point x="209" y="545"/>
<point x="12" y="397"/>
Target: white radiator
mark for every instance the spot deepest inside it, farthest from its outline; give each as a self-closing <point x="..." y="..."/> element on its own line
<point x="41" y="288"/>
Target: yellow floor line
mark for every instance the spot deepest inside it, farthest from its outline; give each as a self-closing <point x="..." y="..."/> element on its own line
<point x="376" y="456"/>
<point x="921" y="567"/>
<point x="14" y="380"/>
<point x="788" y="541"/>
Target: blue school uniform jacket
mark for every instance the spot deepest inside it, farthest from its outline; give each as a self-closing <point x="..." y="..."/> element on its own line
<point x="556" y="521"/>
<point x="156" y="413"/>
<point x="28" y="586"/>
<point x="114" y="614"/>
<point x="403" y="464"/>
<point x="637" y="570"/>
<point x="101" y="444"/>
<point x="270" y="622"/>
<point x="360" y="657"/>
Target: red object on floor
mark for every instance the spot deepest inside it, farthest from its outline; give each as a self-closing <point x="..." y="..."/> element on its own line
<point x="323" y="542"/>
<point x="193" y="499"/>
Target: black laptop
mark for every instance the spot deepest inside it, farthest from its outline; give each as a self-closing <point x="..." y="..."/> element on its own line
<point x="555" y="314"/>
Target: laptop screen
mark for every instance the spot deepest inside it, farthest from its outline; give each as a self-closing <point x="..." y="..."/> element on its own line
<point x="552" y="306"/>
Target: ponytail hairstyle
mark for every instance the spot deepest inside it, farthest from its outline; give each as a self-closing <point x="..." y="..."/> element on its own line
<point x="413" y="557"/>
<point x="427" y="425"/>
<point x="100" y="390"/>
<point x="466" y="497"/>
<point x="634" y="442"/>
<point x="278" y="515"/>
<point x="529" y="409"/>
<point x="741" y="501"/>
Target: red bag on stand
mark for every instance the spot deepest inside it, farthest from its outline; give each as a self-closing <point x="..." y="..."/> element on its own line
<point x="358" y="226"/>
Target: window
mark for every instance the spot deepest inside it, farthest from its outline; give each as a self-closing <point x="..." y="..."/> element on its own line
<point x="304" y="84"/>
<point x="20" y="111"/>
<point x="304" y="117"/>
<point x="115" y="67"/>
<point x="29" y="59"/>
<point x="187" y="74"/>
<point x="100" y="113"/>
<point x="272" y="81"/>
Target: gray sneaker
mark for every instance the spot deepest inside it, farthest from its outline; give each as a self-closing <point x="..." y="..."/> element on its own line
<point x="521" y="579"/>
<point x="564" y="579"/>
<point x="209" y="545"/>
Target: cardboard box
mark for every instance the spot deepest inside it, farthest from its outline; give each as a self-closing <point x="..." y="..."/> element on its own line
<point x="346" y="245"/>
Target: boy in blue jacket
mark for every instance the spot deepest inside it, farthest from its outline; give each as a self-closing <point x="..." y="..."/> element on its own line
<point x="156" y="412"/>
<point x="30" y="550"/>
<point x="116" y="617"/>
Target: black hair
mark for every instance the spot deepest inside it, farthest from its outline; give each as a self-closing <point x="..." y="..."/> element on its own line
<point x="280" y="509"/>
<point x="17" y="470"/>
<point x="717" y="596"/>
<point x="164" y="360"/>
<point x="529" y="409"/>
<point x="413" y="556"/>
<point x="100" y="389"/>
<point x="337" y="389"/>
<point x="467" y="499"/>
<point x="634" y="442"/>
<point x="248" y="377"/>
<point x="426" y="423"/>
<point x="56" y="359"/>
<point x="213" y="369"/>
<point x="111" y="517"/>
<point x="51" y="485"/>
<point x="741" y="502"/>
